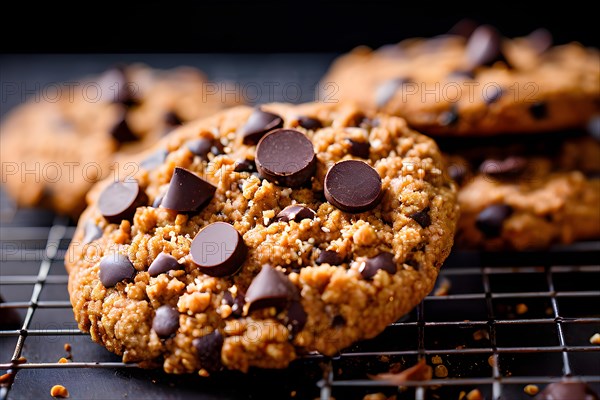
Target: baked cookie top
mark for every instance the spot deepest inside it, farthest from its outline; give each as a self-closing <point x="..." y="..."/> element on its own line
<point x="475" y="83"/>
<point x="61" y="141"/>
<point x="257" y="235"/>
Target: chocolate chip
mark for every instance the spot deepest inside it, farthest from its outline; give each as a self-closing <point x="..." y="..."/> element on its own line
<point x="158" y="200"/>
<point x="91" y="232"/>
<point x="163" y="263"/>
<point x="121" y="131"/>
<point x="187" y="191"/>
<point x="540" y="40"/>
<point x="508" y="168"/>
<point x="330" y="257"/>
<point x="359" y="149"/>
<point x="309" y="123"/>
<point x="338" y="321"/>
<point x="114" y="268"/>
<point x="115" y="87"/>
<point x="270" y="288"/>
<point x="200" y="147"/>
<point x="353" y="186"/>
<point x="450" y="117"/>
<point x="464" y="28"/>
<point x="166" y="321"/>
<point x="119" y="200"/>
<point x="457" y="173"/>
<point x="483" y="47"/>
<point x="386" y="91"/>
<point x="208" y="348"/>
<point x="492" y="94"/>
<point x="286" y="157"/>
<point x="296" y="317"/>
<point x="361" y="121"/>
<point x="245" y="165"/>
<point x="490" y="220"/>
<point x="218" y="249"/>
<point x="422" y="217"/>
<point x="462" y="74"/>
<point x="156" y="159"/>
<point x="539" y="110"/>
<point x="172" y="119"/>
<point x="593" y="127"/>
<point x="9" y="317"/>
<point x="567" y="390"/>
<point x="237" y="304"/>
<point x="384" y="261"/>
<point x="258" y="124"/>
<point x="295" y="213"/>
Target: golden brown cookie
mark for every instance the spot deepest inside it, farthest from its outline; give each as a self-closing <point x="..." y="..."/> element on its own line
<point x="481" y="85"/>
<point x="55" y="147"/>
<point x="197" y="262"/>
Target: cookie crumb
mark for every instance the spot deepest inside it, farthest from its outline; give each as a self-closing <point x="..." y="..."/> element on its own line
<point x="67" y="347"/>
<point x="203" y="373"/>
<point x="293" y="393"/>
<point x="531" y="390"/>
<point x="375" y="396"/>
<point x="63" y="360"/>
<point x="461" y="395"/>
<point x="441" y="371"/>
<point x="59" y="391"/>
<point x="595" y="339"/>
<point x="436" y="360"/>
<point x="21" y="360"/>
<point x="443" y="289"/>
<point x="6" y="378"/>
<point x="474" y="394"/>
<point x="481" y="334"/>
<point x="491" y="361"/>
<point x="521" y="308"/>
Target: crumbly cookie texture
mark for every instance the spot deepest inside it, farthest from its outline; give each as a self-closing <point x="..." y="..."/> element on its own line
<point x="57" y="145"/>
<point x="480" y="85"/>
<point x="328" y="278"/>
<point x="528" y="195"/>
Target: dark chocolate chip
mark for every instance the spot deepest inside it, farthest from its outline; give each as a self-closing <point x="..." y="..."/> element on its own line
<point x="508" y="168"/>
<point x="464" y="28"/>
<point x="119" y="200"/>
<point x="461" y="74"/>
<point x="270" y="288"/>
<point x="296" y="317"/>
<point x="200" y="147"/>
<point x="9" y="317"/>
<point x="115" y="87"/>
<point x="166" y="321"/>
<point x="156" y="159"/>
<point x="295" y="213"/>
<point x="208" y="348"/>
<point x="114" y="268"/>
<point x="237" y="304"/>
<point x="539" y="110"/>
<point x="422" y="217"/>
<point x="359" y="149"/>
<point x="353" y="186"/>
<point x="567" y="390"/>
<point x="361" y="121"/>
<point x="172" y="119"/>
<point x="330" y="257"/>
<point x="491" y="219"/>
<point x="483" y="47"/>
<point x="384" y="261"/>
<point x="286" y="157"/>
<point x="258" y="124"/>
<point x="91" y="232"/>
<point x="187" y="191"/>
<point x="540" y="40"/>
<point x="386" y="91"/>
<point x="163" y="263"/>
<point x="121" y="131"/>
<point x="218" y="249"/>
<point x="492" y="94"/>
<point x="593" y="127"/>
<point x="338" y="321"/>
<point x="158" y="200"/>
<point x="457" y="173"/>
<point x="245" y="165"/>
<point x="309" y="123"/>
<point x="450" y="117"/>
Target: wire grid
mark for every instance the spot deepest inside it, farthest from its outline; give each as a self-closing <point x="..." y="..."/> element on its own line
<point x="479" y="331"/>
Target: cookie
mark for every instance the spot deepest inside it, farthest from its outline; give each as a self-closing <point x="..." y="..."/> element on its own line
<point x="262" y="250"/>
<point x="58" y="144"/>
<point x="482" y="84"/>
<point x="527" y="195"/>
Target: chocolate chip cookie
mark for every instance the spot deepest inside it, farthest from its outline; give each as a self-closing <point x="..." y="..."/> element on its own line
<point x="258" y="235"/>
<point x="527" y="194"/>
<point x="55" y="146"/>
<point x="475" y="83"/>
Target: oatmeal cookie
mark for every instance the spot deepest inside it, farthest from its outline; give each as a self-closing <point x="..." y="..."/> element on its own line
<point x="255" y="236"/>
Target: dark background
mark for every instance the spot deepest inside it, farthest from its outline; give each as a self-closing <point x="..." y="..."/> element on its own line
<point x="268" y="26"/>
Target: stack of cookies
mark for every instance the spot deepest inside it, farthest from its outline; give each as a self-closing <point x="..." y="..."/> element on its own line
<point x="518" y="121"/>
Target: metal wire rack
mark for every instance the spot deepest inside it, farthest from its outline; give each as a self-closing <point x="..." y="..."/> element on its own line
<point x="508" y="320"/>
